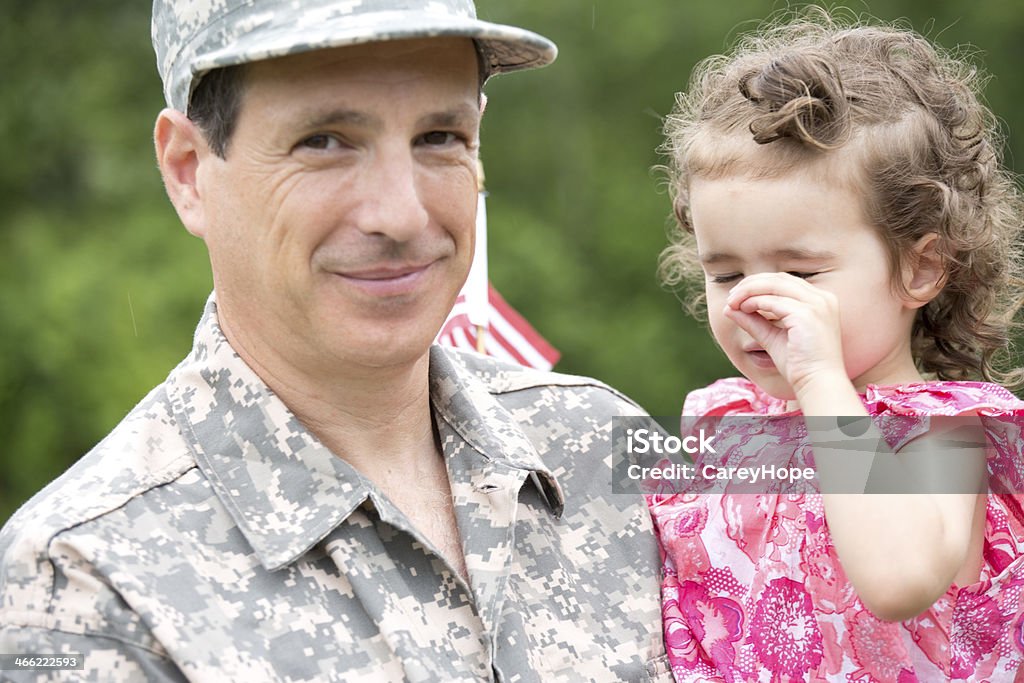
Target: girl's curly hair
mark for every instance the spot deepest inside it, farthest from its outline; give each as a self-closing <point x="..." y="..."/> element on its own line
<point x="925" y="152"/>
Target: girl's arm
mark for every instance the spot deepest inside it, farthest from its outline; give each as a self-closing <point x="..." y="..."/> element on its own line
<point x="901" y="551"/>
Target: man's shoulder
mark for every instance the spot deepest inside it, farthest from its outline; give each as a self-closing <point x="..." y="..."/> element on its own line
<point x="504" y="379"/>
<point x="144" y="451"/>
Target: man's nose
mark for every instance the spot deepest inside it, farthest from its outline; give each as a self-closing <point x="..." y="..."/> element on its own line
<point x="390" y="201"/>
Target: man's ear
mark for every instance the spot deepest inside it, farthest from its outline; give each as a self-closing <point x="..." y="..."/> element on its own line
<point x="925" y="273"/>
<point x="180" y="148"/>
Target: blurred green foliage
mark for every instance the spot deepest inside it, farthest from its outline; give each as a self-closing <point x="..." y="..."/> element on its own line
<point x="101" y="287"/>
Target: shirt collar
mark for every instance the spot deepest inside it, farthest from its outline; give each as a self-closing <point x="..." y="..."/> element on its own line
<point x="465" y="401"/>
<point x="284" y="489"/>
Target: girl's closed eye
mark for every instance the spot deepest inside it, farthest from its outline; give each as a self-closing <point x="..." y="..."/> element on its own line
<point x="732" y="277"/>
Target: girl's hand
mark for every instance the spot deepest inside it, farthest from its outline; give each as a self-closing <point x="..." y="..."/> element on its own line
<point x="794" y="321"/>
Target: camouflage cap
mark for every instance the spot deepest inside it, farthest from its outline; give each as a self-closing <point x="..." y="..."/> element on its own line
<point x="192" y="37"/>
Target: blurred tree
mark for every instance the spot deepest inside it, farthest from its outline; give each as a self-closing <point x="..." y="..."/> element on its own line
<point x="100" y="284"/>
<point x="101" y="287"/>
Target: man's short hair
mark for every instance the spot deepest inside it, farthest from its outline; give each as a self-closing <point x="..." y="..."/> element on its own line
<point x="215" y="103"/>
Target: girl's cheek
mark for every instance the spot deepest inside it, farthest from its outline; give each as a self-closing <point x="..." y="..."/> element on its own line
<point x="719" y="326"/>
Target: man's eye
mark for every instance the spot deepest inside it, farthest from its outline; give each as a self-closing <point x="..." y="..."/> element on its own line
<point x="439" y="138"/>
<point x="723" y="279"/>
<point x="320" y="141"/>
<point x="802" y="276"/>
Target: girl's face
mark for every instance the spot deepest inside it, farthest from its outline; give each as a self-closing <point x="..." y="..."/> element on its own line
<point x="816" y="230"/>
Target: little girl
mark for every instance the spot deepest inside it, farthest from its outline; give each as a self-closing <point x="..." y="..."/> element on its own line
<point x="840" y="195"/>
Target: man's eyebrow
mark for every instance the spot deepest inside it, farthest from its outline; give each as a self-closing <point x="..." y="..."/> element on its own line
<point x="459" y="115"/>
<point x="340" y="116"/>
<point x="789" y="254"/>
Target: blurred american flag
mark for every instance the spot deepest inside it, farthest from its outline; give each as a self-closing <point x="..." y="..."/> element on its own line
<point x="507" y="335"/>
<point x="483" y="321"/>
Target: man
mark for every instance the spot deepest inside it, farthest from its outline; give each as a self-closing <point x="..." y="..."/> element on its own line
<point x="316" y="493"/>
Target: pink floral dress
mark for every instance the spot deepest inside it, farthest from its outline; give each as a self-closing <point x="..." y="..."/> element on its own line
<point x="752" y="589"/>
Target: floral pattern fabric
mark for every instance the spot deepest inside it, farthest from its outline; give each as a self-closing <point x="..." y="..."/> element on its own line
<point x="752" y="589"/>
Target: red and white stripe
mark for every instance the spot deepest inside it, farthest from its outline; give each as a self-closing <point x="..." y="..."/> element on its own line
<point x="507" y="335"/>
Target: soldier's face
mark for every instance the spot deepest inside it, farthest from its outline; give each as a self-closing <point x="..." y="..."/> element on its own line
<point x="341" y="224"/>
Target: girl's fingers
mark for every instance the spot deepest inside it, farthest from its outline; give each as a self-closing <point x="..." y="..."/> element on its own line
<point x="759" y="328"/>
<point x="770" y="306"/>
<point x="778" y="284"/>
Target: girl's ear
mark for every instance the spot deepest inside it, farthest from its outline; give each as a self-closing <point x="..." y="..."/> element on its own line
<point x="925" y="273"/>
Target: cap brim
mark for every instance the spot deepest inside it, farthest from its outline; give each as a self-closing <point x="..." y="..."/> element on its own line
<point x="504" y="48"/>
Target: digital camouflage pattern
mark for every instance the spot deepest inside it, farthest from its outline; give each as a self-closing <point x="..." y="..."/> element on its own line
<point x="211" y="537"/>
<point x="192" y="37"/>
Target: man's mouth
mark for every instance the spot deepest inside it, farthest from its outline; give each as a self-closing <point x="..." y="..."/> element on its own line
<point x="385" y="273"/>
<point x="387" y="280"/>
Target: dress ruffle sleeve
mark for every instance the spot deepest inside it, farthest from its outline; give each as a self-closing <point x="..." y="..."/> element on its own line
<point x="731" y="396"/>
<point x="1001" y="413"/>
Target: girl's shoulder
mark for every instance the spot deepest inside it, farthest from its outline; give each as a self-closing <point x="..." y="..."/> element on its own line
<point x="740" y="396"/>
<point x="942" y="398"/>
<point x="732" y="396"/>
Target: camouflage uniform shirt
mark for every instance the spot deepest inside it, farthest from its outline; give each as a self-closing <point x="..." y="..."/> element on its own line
<point x="211" y="537"/>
